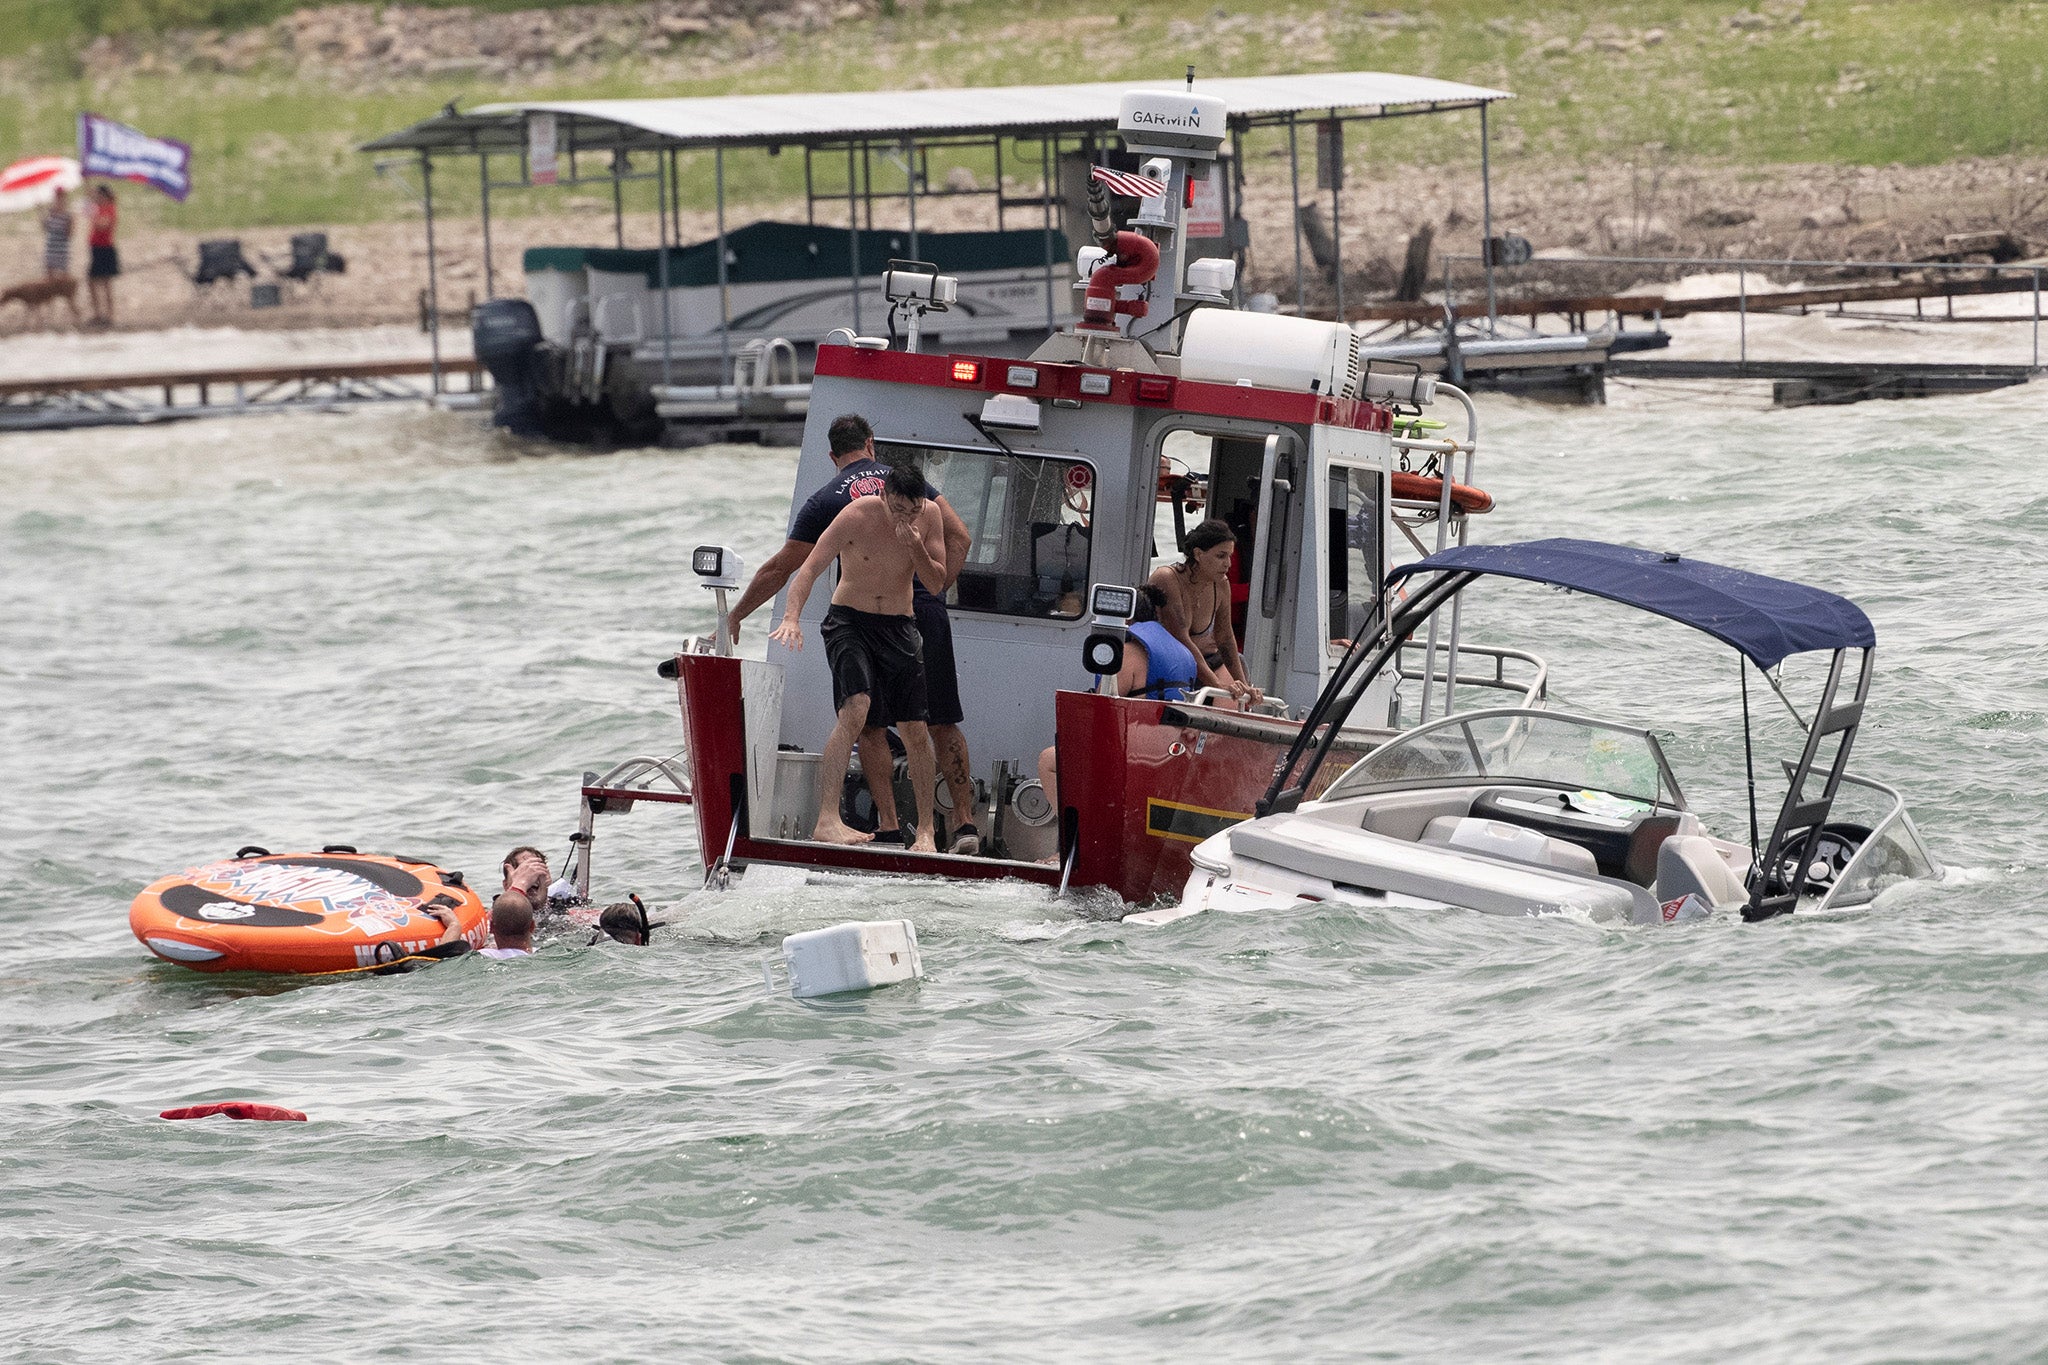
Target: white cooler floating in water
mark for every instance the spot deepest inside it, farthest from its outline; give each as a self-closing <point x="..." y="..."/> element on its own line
<point x="852" y="957"/>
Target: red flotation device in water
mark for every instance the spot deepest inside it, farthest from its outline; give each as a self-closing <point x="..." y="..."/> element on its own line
<point x="236" y="1109"/>
<point x="309" y="913"/>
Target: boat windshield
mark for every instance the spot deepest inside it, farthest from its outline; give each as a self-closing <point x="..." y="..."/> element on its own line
<point x="1571" y="753"/>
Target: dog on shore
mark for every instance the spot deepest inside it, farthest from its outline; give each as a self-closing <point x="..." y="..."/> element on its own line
<point x="37" y="295"/>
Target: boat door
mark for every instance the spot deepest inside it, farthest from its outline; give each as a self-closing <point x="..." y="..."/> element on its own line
<point x="1351" y="470"/>
<point x="1281" y="541"/>
<point x="1257" y="485"/>
<point x="1321" y="562"/>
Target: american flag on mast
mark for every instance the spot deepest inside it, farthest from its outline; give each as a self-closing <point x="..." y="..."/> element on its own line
<point x="1127" y="183"/>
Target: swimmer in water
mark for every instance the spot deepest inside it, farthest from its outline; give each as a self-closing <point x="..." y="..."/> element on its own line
<point x="626" y="922"/>
<point x="511" y="926"/>
<point x="526" y="872"/>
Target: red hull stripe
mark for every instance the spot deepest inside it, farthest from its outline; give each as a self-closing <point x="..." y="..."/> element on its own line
<point x="1064" y="381"/>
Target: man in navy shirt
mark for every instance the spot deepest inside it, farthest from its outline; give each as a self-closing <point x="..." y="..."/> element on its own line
<point x="861" y="475"/>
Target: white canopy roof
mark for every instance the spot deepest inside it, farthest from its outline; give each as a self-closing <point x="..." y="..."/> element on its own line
<point x="888" y="115"/>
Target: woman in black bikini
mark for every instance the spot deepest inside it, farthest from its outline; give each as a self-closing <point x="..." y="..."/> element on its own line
<point x="1198" y="589"/>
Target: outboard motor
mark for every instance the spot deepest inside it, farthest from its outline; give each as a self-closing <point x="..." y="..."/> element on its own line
<point x="506" y="334"/>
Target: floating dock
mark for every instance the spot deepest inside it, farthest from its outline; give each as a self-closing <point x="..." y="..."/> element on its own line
<point x="1468" y="343"/>
<point x="1805" y="383"/>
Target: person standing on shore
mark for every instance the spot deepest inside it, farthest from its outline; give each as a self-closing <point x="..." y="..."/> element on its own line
<point x="57" y="237"/>
<point x="106" y="262"/>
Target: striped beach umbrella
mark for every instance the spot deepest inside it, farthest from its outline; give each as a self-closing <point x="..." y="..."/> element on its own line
<point x="33" y="182"/>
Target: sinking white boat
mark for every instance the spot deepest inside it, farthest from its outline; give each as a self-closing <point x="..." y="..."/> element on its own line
<point x="1515" y="811"/>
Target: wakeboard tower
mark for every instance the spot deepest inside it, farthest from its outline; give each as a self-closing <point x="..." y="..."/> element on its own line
<point x="1075" y="471"/>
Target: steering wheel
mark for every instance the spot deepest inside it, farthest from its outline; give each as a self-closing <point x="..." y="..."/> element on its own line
<point x="1838" y="843"/>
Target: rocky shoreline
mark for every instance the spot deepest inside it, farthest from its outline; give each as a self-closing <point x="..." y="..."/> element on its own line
<point x="355" y="42"/>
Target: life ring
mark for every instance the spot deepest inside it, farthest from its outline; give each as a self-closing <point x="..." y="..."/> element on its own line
<point x="1423" y="488"/>
<point x="305" y="913"/>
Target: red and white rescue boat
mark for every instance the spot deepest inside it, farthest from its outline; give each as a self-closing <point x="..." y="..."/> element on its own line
<point x="1063" y="467"/>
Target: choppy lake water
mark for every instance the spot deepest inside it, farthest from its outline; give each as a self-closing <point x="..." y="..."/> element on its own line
<point x="1307" y="1135"/>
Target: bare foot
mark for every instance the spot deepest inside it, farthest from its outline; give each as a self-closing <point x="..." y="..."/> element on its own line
<point x="834" y="831"/>
<point x="924" y="842"/>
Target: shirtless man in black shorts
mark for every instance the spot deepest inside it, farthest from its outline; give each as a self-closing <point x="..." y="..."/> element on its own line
<point x="871" y="637"/>
<point x="860" y="474"/>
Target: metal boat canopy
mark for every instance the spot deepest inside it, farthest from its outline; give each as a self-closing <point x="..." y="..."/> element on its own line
<point x="835" y="118"/>
<point x="899" y="126"/>
<point x="1767" y="619"/>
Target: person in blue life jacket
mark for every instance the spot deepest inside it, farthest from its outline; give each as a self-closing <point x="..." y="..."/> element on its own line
<point x="1168" y="666"/>
<point x="1155" y="665"/>
<point x="860" y="474"/>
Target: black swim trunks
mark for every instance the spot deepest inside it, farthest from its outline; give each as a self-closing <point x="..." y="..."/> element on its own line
<point x="941" y="675"/>
<point x="882" y="656"/>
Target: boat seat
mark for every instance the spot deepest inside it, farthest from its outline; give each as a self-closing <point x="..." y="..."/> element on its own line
<point x="1690" y="865"/>
<point x="1625" y="848"/>
<point x="1515" y="843"/>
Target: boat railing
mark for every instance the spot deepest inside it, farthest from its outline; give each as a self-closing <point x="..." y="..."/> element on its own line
<point x="1221" y="698"/>
<point x="615" y="791"/>
<point x="766" y="383"/>
<point x="1531" y="690"/>
<point x="765" y="362"/>
<point x="1891" y="853"/>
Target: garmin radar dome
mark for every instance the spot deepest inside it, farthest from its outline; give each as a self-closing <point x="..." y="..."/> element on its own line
<point x="1172" y="123"/>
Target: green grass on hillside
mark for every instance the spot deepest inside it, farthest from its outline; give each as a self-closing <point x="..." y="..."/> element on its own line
<point x="1915" y="81"/>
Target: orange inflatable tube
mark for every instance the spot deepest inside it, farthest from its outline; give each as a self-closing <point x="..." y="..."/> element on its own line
<point x="306" y="913"/>
<point x="1425" y="488"/>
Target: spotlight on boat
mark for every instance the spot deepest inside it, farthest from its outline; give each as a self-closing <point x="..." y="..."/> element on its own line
<point x="920" y="282"/>
<point x="720" y="568"/>
<point x="1401" y="386"/>
<point x="1010" y="411"/>
<point x="718" y="565"/>
<point x="915" y="288"/>
<point x="1102" y="653"/>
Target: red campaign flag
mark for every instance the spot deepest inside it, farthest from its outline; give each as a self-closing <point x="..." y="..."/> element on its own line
<point x="1125" y="183"/>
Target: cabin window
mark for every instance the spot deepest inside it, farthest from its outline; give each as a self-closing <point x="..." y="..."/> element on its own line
<point x="1028" y="521"/>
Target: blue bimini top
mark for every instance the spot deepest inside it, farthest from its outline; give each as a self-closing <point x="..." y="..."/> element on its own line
<point x="1767" y="619"/>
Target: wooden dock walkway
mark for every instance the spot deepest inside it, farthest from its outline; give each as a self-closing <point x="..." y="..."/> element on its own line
<point x="137" y="397"/>
<point x="1656" y="306"/>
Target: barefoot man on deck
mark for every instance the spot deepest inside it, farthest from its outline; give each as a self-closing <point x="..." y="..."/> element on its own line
<point x="871" y="636"/>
